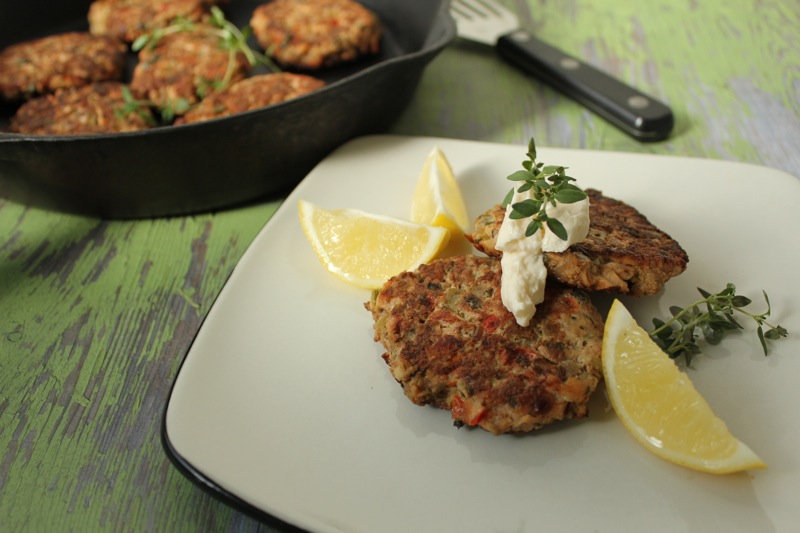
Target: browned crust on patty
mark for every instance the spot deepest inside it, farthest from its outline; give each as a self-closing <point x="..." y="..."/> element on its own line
<point x="310" y="34"/>
<point x="185" y="66"/>
<point x="128" y="19"/>
<point x="252" y="93"/>
<point x="95" y="108"/>
<point x="61" y="61"/>
<point x="623" y="252"/>
<point x="451" y="343"/>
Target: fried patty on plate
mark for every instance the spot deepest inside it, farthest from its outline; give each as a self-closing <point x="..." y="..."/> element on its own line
<point x="623" y="252"/>
<point x="451" y="343"/>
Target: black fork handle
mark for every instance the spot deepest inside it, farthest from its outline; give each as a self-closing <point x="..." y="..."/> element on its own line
<point x="636" y="113"/>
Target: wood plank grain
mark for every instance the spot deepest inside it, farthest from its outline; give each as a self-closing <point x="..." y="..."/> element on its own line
<point x="96" y="317"/>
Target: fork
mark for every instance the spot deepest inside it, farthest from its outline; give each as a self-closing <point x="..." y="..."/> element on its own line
<point x="637" y="114"/>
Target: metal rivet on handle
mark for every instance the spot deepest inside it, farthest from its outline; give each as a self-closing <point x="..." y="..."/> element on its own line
<point x="521" y="36"/>
<point x="638" y="101"/>
<point x="569" y="63"/>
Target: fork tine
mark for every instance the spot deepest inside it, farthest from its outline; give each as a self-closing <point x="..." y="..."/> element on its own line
<point x="482" y="20"/>
<point x="462" y="8"/>
<point x="481" y="8"/>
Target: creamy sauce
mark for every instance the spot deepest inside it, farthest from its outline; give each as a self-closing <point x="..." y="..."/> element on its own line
<point x="523" y="272"/>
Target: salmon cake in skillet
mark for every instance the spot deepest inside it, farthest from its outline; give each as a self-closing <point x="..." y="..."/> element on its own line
<point x="450" y="343"/>
<point x="623" y="253"/>
<point x="62" y="61"/>
<point x="97" y="108"/>
<point x="181" y="69"/>
<point x="129" y="19"/>
<point x="252" y="93"/>
<point x="311" y="34"/>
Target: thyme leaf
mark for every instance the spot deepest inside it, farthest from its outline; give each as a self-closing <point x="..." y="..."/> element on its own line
<point x="134" y="106"/>
<point x="167" y="111"/>
<point x="236" y="40"/>
<point x="713" y="316"/>
<point x="549" y="185"/>
<point x="231" y="38"/>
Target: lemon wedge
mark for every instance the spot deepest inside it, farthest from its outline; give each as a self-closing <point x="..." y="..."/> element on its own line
<point x="365" y="249"/>
<point x="437" y="197"/>
<point x="660" y="407"/>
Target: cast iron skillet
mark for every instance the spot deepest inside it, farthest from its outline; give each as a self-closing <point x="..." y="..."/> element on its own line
<point x="175" y="170"/>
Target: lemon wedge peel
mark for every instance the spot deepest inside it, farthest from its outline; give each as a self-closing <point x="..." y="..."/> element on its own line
<point x="437" y="199"/>
<point x="365" y="249"/>
<point x="660" y="406"/>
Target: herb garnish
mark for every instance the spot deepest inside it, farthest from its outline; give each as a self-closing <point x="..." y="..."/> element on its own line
<point x="134" y="106"/>
<point x="142" y="108"/>
<point x="677" y="335"/>
<point x="232" y="38"/>
<point x="549" y="185"/>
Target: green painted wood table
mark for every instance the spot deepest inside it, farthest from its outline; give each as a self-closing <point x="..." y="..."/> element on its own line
<point x="96" y="315"/>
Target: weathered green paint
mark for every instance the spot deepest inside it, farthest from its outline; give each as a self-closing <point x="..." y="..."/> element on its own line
<point x="95" y="316"/>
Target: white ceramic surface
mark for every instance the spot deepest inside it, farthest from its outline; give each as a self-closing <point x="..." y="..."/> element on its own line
<point x="285" y="403"/>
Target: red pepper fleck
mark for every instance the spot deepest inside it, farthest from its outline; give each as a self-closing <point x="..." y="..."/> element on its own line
<point x="571" y="302"/>
<point x="490" y="323"/>
<point x="461" y="412"/>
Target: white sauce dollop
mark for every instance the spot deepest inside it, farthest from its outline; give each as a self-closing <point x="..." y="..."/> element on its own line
<point x="523" y="272"/>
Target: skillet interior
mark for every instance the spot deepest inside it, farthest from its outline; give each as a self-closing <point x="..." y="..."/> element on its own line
<point x="209" y="165"/>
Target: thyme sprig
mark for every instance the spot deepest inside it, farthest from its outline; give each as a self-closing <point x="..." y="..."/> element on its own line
<point x="232" y="39"/>
<point x="678" y="335"/>
<point x="142" y="108"/>
<point x="134" y="106"/>
<point x="549" y="185"/>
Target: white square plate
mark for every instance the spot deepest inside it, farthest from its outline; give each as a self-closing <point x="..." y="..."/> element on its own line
<point x="284" y="405"/>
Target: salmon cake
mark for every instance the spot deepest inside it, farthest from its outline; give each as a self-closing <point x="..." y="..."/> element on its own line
<point x="61" y="61"/>
<point x="97" y="108"/>
<point x="252" y="93"/>
<point x="181" y="69"/>
<point x="311" y="34"/>
<point x="129" y="19"/>
<point x="451" y="344"/>
<point x="623" y="253"/>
